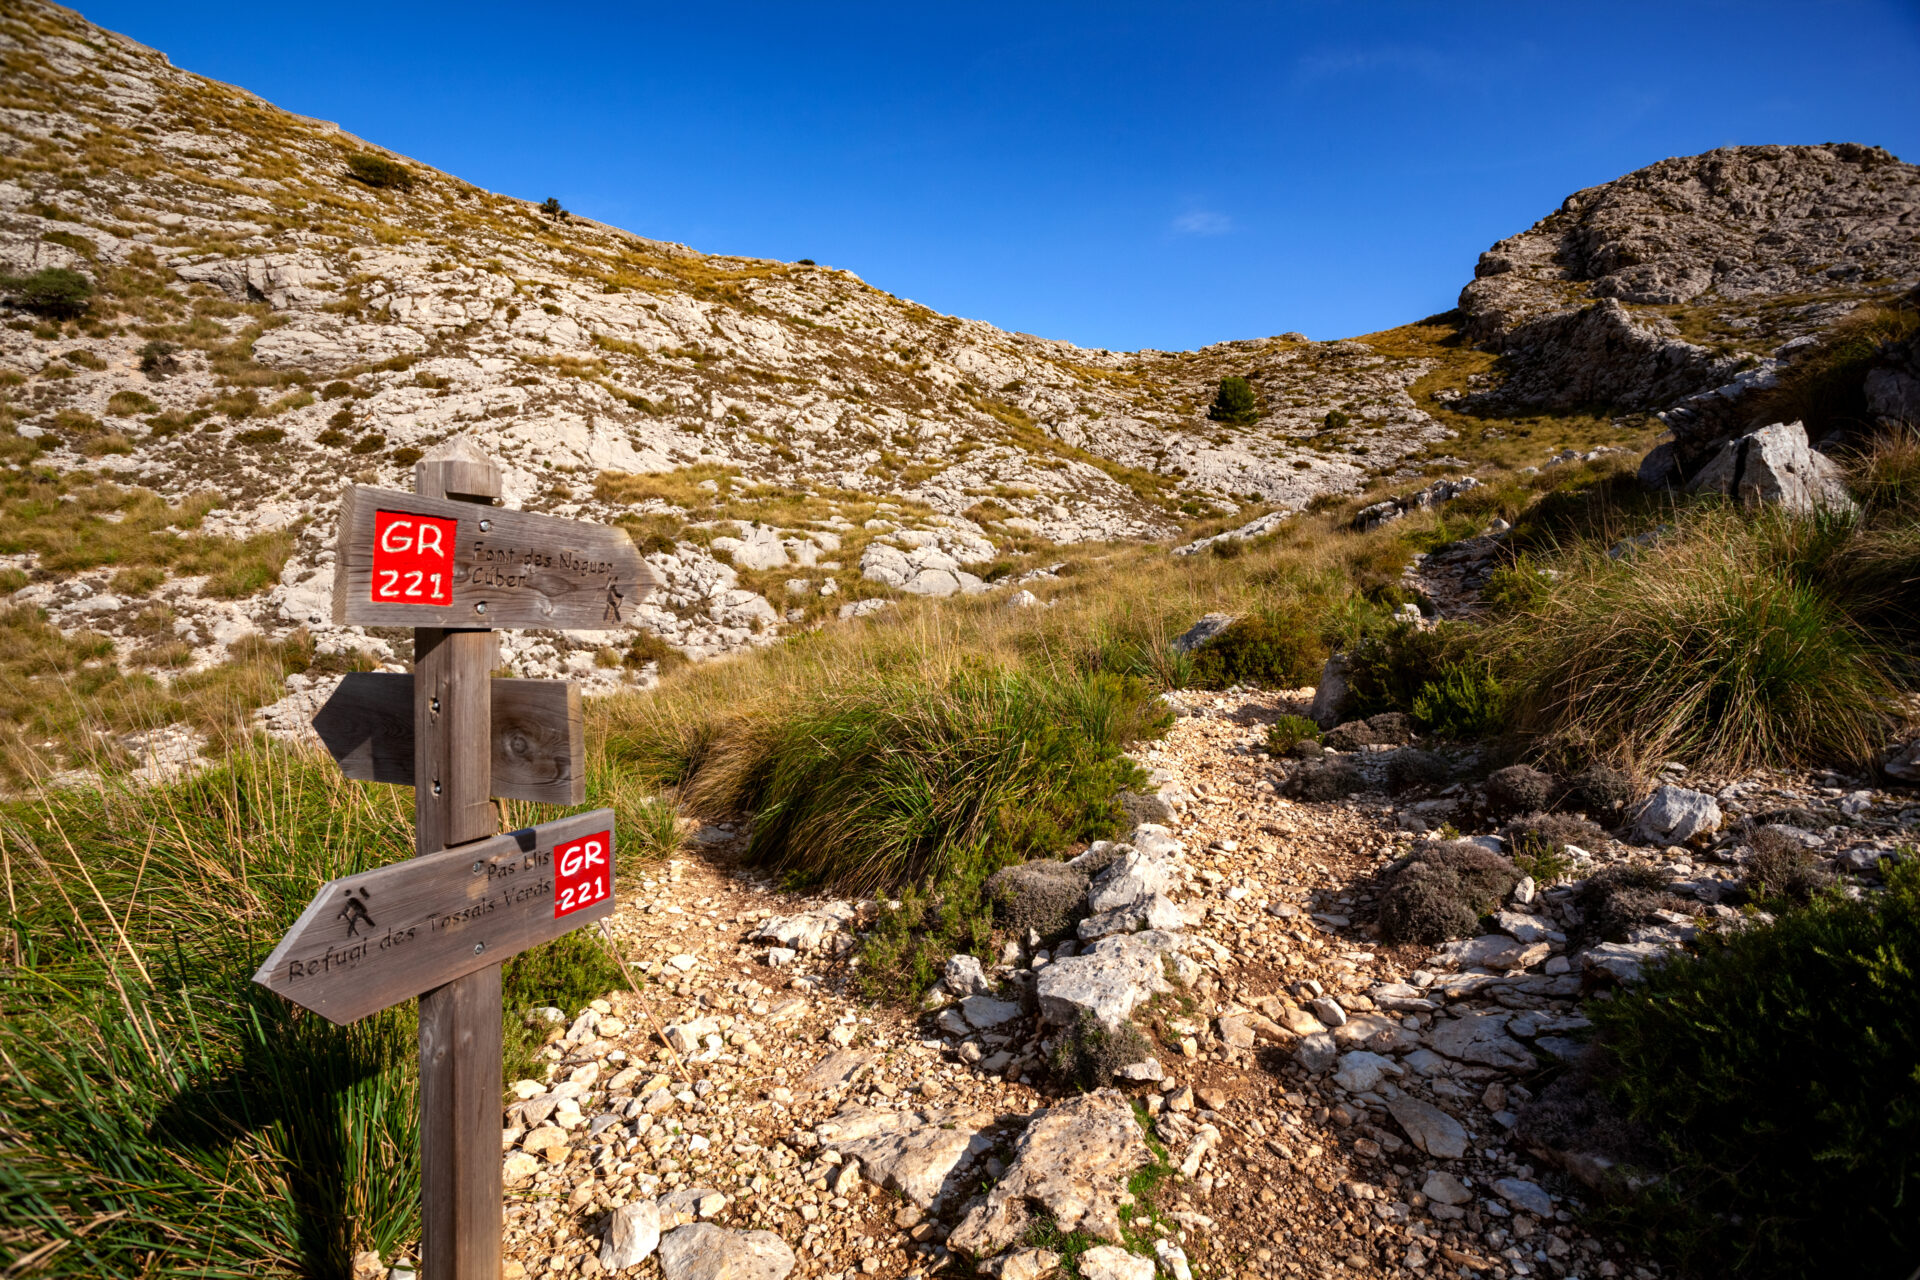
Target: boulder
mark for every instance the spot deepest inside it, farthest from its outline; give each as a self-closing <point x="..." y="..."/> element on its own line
<point x="1029" y="1264"/>
<point x="1675" y="815"/>
<point x="983" y="1013"/>
<point x="1112" y="979"/>
<point x="1480" y="1038"/>
<point x="810" y="930"/>
<point x="1332" y="698"/>
<point x="915" y="1153"/>
<point x="632" y="1232"/>
<point x="1774" y="466"/>
<point x="1429" y="1128"/>
<point x="1136" y="877"/>
<point x="1071" y="1165"/>
<point x="1904" y="762"/>
<point x="703" y="1251"/>
<point x="1111" y="1262"/>
<point x="1525" y="1196"/>
<point x="1361" y="1071"/>
<point x="965" y="977"/>
<point x="1157" y="912"/>
<point x="1202" y="631"/>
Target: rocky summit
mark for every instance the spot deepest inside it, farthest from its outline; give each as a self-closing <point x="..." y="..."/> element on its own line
<point x="277" y="306"/>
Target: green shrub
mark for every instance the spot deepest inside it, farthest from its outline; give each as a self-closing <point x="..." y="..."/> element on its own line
<point x="1275" y="648"/>
<point x="1088" y="1053"/>
<point x="906" y="950"/>
<point x="551" y="208"/>
<point x="1336" y="421"/>
<point x="1283" y="734"/>
<point x="261" y="436"/>
<point x="568" y="973"/>
<point x="1441" y="891"/>
<point x="1776" y="1074"/>
<point x="1782" y="870"/>
<point x="56" y="292"/>
<point x="1467" y="701"/>
<point x="378" y="171"/>
<point x="1234" y="401"/>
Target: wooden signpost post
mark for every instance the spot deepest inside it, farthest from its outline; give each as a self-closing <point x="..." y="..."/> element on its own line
<point x="452" y="566"/>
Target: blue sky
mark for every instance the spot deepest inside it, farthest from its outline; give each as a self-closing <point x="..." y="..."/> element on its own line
<point x="1119" y="175"/>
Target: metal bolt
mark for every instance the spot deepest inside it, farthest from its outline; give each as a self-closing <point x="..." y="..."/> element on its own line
<point x="436" y="706"/>
<point x="478" y="947"/>
<point x="477" y="866"/>
<point x="485" y="525"/>
<point x="436" y="786"/>
<point x="480" y="606"/>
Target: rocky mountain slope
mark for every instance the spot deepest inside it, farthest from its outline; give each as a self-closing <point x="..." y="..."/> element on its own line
<point x="278" y="307"/>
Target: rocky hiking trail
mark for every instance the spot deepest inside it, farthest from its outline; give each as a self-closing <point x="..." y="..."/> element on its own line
<point x="1317" y="1104"/>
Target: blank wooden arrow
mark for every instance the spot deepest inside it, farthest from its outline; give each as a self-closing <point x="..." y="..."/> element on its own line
<point x="539" y="737"/>
<point x="366" y="942"/>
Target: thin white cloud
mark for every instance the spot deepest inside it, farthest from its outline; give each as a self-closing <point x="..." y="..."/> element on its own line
<point x="1202" y="222"/>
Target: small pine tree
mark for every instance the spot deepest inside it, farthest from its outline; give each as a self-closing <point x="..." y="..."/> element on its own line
<point x="56" y="291"/>
<point x="551" y="207"/>
<point x="1234" y="402"/>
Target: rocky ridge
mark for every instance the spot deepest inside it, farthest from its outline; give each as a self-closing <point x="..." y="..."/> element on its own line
<point x="1671" y="280"/>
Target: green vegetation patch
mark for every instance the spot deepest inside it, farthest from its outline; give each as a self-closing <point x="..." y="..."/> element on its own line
<point x="1776" y="1076"/>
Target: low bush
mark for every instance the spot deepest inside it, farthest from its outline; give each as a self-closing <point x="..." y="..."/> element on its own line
<point x="1782" y="870"/>
<point x="1616" y="900"/>
<point x="1387" y="729"/>
<point x="1046" y="897"/>
<point x="1519" y="788"/>
<point x="1775" y="1075"/>
<point x="1283" y="734"/>
<point x="1440" y="892"/>
<point x="1273" y="648"/>
<point x="1600" y="789"/>
<point x="1235" y="401"/>
<point x="380" y="172"/>
<point x="1325" y="780"/>
<point x="1409" y="768"/>
<point x="1089" y="1053"/>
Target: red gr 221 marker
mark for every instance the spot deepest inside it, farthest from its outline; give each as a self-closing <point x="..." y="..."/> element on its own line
<point x="583" y="872"/>
<point x="412" y="558"/>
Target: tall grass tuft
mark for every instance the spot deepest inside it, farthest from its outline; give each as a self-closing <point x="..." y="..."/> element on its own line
<point x="159" y="1113"/>
<point x="893" y="780"/>
<point x="1725" y="644"/>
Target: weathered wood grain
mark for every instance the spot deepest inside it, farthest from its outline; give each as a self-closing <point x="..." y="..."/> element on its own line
<point x="519" y="570"/>
<point x="423" y="922"/>
<point x="460" y="1211"/>
<point x="537" y="736"/>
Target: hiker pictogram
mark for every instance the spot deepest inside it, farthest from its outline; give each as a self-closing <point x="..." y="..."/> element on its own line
<point x="355" y="914"/>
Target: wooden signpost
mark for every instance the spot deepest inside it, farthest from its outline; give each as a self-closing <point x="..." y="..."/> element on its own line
<point x="449" y="564"/>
